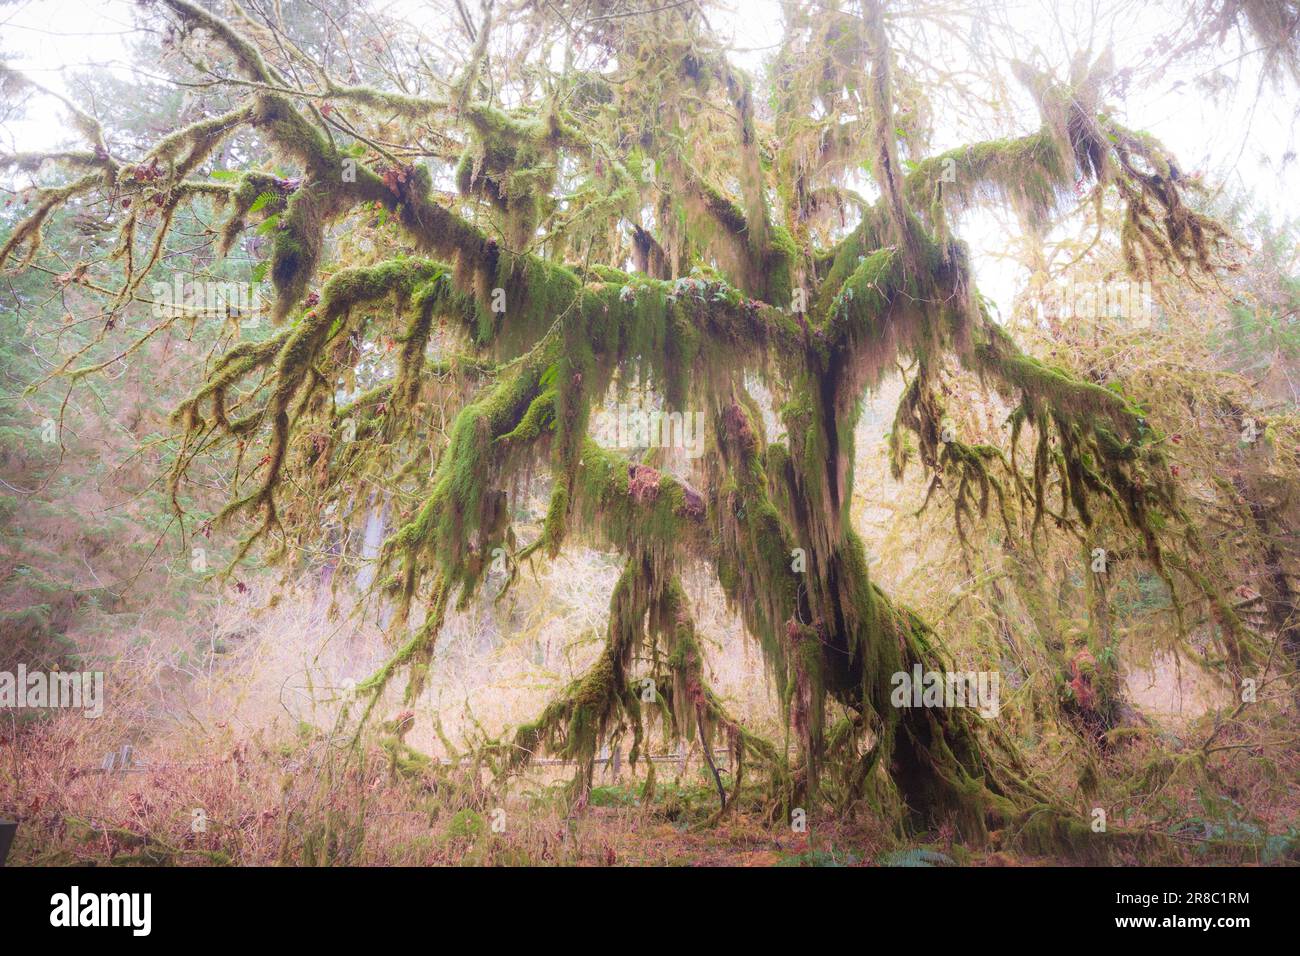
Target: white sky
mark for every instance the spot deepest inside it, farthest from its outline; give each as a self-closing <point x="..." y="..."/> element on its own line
<point x="1240" y="141"/>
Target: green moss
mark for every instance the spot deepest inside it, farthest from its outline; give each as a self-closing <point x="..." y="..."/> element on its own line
<point x="1029" y="172"/>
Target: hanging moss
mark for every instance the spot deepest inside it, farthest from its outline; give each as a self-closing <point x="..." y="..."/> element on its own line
<point x="1027" y="172"/>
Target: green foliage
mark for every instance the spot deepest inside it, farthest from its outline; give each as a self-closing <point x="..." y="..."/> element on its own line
<point x="915" y="856"/>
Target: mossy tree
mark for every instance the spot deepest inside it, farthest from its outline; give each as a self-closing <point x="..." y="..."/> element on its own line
<point x="630" y="207"/>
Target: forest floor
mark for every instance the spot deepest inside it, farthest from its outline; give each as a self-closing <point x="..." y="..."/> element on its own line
<point x="304" y="799"/>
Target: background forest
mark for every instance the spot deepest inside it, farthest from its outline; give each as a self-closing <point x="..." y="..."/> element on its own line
<point x="359" y="638"/>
